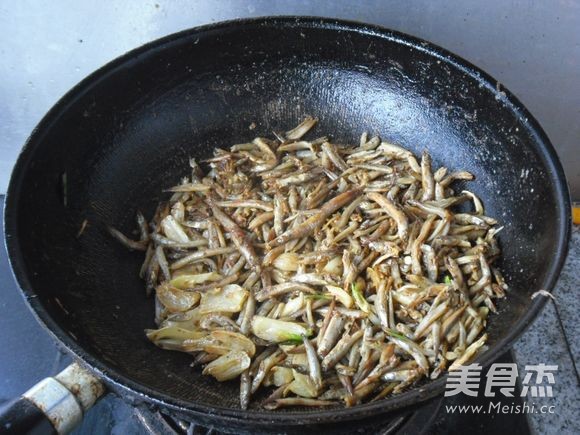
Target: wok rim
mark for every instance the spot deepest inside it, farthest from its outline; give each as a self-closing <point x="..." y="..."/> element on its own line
<point x="118" y="382"/>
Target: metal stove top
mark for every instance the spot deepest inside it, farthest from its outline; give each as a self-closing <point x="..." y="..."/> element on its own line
<point x="29" y="354"/>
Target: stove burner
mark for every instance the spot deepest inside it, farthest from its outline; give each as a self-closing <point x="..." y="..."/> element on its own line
<point x="413" y="422"/>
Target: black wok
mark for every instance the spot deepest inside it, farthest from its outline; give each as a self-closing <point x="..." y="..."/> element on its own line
<point x="123" y="134"/>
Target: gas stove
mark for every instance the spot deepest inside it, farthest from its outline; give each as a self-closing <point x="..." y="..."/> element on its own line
<point x="29" y="354"/>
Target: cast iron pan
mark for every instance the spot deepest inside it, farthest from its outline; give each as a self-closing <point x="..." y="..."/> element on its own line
<point x="126" y="132"/>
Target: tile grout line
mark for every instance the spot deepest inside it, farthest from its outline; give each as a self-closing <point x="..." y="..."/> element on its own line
<point x="566" y="342"/>
<point x="535" y="337"/>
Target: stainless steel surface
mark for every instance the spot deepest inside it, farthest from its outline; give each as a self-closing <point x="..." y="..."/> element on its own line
<point x="533" y="47"/>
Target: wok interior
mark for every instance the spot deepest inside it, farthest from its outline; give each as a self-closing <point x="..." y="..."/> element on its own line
<point x="128" y="133"/>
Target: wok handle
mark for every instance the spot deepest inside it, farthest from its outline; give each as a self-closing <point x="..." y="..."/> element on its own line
<point x="54" y="405"/>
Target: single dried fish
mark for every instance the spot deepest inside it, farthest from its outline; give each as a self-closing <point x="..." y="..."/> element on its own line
<point x="238" y="236"/>
<point x="317" y="220"/>
<point x="394" y="212"/>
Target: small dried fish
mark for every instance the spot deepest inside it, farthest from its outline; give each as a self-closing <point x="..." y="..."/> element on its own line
<point x="313" y="363"/>
<point x="340" y="350"/>
<point x="239" y="237"/>
<point x="314" y="222"/>
<point x="133" y="245"/>
<point x="346" y="267"/>
<point x="394" y="212"/>
<point x="331" y="334"/>
<point x="298" y="401"/>
<point x="300" y="130"/>
<point x="280" y="289"/>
